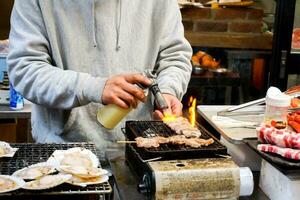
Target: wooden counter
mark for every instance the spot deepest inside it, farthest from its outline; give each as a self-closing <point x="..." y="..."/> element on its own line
<point x="235" y="41"/>
<point x="15" y="124"/>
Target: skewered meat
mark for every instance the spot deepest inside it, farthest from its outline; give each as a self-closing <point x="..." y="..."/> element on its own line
<point x="284" y="152"/>
<point x="147" y="142"/>
<point x="281" y="138"/>
<point x="182" y="127"/>
<point x="175" y="140"/>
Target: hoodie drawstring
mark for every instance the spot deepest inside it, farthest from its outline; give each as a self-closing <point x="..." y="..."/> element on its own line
<point x="118" y="26"/>
<point x="94" y="24"/>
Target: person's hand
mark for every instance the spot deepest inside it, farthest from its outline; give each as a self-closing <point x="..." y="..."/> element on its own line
<point x="121" y="91"/>
<point x="175" y="107"/>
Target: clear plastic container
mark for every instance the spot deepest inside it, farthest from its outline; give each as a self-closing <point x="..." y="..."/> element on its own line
<point x="277" y="104"/>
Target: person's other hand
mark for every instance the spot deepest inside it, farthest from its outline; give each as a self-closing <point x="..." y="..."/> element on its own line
<point x="175" y="107"/>
<point x="121" y="91"/>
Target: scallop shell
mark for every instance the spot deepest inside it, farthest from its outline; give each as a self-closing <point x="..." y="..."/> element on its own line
<point x="75" y="157"/>
<point x="6" y="150"/>
<point x="83" y="182"/>
<point x="83" y="172"/>
<point x="47" y="182"/>
<point x="35" y="171"/>
<point x="10" y="183"/>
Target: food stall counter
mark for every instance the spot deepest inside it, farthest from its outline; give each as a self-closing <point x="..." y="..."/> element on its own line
<point x="234" y="134"/>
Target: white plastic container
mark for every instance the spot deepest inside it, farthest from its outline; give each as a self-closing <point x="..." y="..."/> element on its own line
<point x="277" y="104"/>
<point x="278" y="186"/>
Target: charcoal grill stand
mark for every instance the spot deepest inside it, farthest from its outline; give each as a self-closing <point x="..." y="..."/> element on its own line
<point x="29" y="154"/>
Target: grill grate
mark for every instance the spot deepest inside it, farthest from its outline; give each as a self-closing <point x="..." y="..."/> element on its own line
<point x="29" y="154"/>
<point x="168" y="151"/>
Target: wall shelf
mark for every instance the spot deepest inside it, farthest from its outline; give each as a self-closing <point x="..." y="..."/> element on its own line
<point x="223" y="40"/>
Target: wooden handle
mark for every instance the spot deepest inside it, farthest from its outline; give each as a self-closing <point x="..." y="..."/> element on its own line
<point x="125" y="142"/>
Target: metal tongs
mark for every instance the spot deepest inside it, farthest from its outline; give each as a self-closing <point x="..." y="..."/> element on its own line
<point x="293" y="92"/>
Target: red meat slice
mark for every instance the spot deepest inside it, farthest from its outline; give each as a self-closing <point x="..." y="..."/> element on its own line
<point x="284" y="152"/>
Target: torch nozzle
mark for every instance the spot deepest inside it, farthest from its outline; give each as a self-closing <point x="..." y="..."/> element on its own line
<point x="160" y="101"/>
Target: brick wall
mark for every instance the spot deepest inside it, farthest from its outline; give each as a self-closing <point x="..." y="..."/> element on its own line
<point x="223" y="20"/>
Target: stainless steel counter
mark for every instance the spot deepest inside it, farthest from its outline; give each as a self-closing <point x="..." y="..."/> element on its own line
<point x="233" y="135"/>
<point x="232" y="138"/>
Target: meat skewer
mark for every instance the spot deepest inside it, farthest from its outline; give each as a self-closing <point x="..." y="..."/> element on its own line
<point x="175" y="140"/>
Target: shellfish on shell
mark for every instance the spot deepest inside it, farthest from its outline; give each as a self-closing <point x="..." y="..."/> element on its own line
<point x="46" y="182"/>
<point x="75" y="157"/>
<point x="6" y="150"/>
<point x="10" y="183"/>
<point x="83" y="172"/>
<point x="83" y="182"/>
<point x="35" y="171"/>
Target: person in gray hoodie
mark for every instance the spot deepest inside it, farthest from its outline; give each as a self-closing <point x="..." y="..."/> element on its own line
<point x="71" y="57"/>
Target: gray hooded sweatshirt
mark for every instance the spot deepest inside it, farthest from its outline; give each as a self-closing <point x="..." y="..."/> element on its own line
<point x="63" y="51"/>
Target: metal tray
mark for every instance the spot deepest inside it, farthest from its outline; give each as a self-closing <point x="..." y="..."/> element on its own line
<point x="135" y="129"/>
<point x="29" y="154"/>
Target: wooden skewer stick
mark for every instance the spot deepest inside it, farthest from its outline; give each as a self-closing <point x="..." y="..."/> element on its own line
<point x="125" y="142"/>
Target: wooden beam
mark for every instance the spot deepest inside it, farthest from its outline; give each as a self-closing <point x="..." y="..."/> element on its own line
<point x="223" y="40"/>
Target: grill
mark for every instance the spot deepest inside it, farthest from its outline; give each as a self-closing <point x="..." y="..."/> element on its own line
<point x="29" y="154"/>
<point x="135" y="129"/>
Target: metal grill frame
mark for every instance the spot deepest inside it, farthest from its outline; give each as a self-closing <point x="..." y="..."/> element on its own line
<point x="31" y="153"/>
<point x="135" y="129"/>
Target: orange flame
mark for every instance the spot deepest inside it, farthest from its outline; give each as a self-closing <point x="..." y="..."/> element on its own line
<point x="169" y="117"/>
<point x="192" y="110"/>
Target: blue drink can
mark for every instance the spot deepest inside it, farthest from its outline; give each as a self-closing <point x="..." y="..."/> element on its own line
<point x="16" y="101"/>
